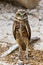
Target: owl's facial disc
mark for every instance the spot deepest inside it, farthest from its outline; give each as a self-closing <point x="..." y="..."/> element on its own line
<point x="21" y="15"/>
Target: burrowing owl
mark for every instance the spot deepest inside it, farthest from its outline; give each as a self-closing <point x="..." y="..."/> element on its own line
<point x="21" y="30"/>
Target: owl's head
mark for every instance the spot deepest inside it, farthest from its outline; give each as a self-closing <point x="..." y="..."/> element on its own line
<point x="21" y="14"/>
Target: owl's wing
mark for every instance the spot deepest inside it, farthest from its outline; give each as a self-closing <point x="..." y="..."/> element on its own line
<point x="28" y="29"/>
<point x="14" y="29"/>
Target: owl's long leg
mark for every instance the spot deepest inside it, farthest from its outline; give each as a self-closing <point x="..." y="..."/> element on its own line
<point x="19" y="51"/>
<point x="27" y="49"/>
<point x="21" y="54"/>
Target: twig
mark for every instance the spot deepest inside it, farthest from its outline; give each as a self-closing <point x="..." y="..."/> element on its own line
<point x="12" y="48"/>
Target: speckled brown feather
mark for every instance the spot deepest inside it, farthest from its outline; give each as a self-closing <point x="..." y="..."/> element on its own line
<point x="21" y="34"/>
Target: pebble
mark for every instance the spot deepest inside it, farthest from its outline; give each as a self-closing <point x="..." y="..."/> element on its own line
<point x="20" y="62"/>
<point x="16" y="58"/>
<point x="28" y="64"/>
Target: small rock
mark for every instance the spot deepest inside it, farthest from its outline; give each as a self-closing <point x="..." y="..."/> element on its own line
<point x="12" y="56"/>
<point x="16" y="58"/>
<point x="24" y="64"/>
<point x="20" y="62"/>
<point x="40" y="18"/>
<point x="28" y="64"/>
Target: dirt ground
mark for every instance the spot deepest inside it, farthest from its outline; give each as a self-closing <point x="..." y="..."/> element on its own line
<point x="7" y="13"/>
